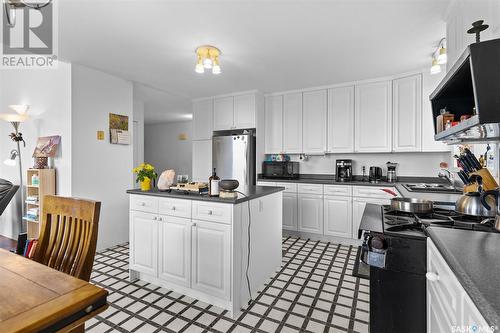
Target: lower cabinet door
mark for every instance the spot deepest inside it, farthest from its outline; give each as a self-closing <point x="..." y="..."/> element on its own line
<point x="144" y="242"/>
<point x="175" y="250"/>
<point x="290" y="211"/>
<point x="211" y="258"/>
<point x="358" y="208"/>
<point x="310" y="208"/>
<point x="338" y="216"/>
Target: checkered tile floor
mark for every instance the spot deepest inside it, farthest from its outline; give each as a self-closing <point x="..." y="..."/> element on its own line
<point x="313" y="292"/>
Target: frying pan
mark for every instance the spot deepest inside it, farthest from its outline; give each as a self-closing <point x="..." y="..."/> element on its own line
<point x="412" y="205"/>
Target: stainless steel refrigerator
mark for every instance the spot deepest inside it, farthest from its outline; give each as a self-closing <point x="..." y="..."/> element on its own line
<point x="233" y="155"/>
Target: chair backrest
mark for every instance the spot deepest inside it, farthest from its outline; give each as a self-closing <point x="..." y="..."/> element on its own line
<point x="68" y="236"/>
<point x="7" y="197"/>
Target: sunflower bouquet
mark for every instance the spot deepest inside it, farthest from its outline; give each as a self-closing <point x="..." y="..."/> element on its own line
<point x="145" y="174"/>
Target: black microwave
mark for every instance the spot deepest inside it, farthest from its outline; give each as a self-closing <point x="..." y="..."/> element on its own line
<point x="280" y="169"/>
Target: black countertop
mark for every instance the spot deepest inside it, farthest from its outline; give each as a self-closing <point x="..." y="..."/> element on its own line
<point x="329" y="179"/>
<point x="247" y="193"/>
<point x="474" y="258"/>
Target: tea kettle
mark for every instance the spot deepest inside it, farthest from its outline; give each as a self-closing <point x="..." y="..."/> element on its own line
<point x="495" y="194"/>
<point x="475" y="204"/>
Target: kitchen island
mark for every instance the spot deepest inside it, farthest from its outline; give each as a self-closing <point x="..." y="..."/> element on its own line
<point x="198" y="245"/>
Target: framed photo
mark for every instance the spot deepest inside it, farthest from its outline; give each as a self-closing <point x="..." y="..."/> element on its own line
<point x="47" y="146"/>
<point x="118" y="129"/>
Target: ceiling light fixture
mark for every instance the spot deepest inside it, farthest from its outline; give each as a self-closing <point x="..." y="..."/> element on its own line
<point x="208" y="58"/>
<point x="435" y="68"/>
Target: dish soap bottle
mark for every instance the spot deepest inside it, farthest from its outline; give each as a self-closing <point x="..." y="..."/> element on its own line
<point x="213" y="185"/>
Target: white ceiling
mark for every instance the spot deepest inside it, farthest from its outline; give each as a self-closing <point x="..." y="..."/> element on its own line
<point x="266" y="45"/>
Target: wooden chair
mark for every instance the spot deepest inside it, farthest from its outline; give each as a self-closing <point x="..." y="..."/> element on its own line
<point x="68" y="236"/>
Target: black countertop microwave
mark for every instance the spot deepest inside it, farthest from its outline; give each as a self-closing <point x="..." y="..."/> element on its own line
<point x="280" y="169"/>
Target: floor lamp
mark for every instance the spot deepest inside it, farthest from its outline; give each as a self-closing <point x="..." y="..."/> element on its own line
<point x="16" y="119"/>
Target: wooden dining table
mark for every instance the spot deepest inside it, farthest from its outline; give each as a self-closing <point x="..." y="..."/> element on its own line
<point x="36" y="298"/>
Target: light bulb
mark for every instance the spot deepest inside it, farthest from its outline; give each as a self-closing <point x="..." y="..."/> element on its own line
<point x="435" y="68"/>
<point x="207" y="63"/>
<point x="199" y="68"/>
<point x="216" y="69"/>
<point x="20" y="109"/>
<point x="442" y="57"/>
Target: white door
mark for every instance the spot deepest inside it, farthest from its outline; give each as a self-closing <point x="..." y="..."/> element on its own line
<point x="175" y="250"/>
<point x="290" y="211"/>
<point x="211" y="258"/>
<point x="338" y="216"/>
<point x="203" y="119"/>
<point x="244" y="111"/>
<point x="358" y="208"/>
<point x="202" y="160"/>
<point x="274" y="124"/>
<point x="223" y="113"/>
<point x="310" y="209"/>
<point x="292" y="123"/>
<point x="407" y="113"/>
<point x="144" y="242"/>
<point x="314" y="122"/>
<point x="373" y="117"/>
<point x="341" y="120"/>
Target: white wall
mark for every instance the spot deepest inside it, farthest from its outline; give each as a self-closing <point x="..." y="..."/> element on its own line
<point x="164" y="150"/>
<point x="138" y="138"/>
<point x="410" y="164"/>
<point x="49" y="94"/>
<point x="101" y="171"/>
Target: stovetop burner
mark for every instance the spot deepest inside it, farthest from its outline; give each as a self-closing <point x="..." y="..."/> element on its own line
<point x="396" y="221"/>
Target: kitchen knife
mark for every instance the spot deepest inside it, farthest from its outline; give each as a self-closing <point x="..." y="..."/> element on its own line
<point x="470" y="163"/>
<point x="465" y="165"/>
<point x="463" y="176"/>
<point x="473" y="159"/>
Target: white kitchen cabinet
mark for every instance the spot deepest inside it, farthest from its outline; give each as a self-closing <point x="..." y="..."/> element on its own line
<point x="314" y="122"/>
<point x="223" y="113"/>
<point x="211" y="258"/>
<point x="244" y="111"/>
<point x="310" y="210"/>
<point x="144" y="242"/>
<point x="175" y="249"/>
<point x="448" y="304"/>
<point x="292" y="123"/>
<point x="202" y="160"/>
<point x="203" y="119"/>
<point x="274" y="125"/>
<point x="290" y="211"/>
<point x="407" y="113"/>
<point x="373" y="117"/>
<point x="338" y="216"/>
<point x="341" y="120"/>
<point x="430" y="83"/>
<point x="358" y="208"/>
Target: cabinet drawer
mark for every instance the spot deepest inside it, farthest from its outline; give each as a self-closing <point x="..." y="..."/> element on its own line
<point x="174" y="207"/>
<point x="373" y="192"/>
<point x="311" y="189"/>
<point x="210" y="211"/>
<point x="143" y="203"/>
<point x="340" y="190"/>
<point x="446" y="286"/>
<point x="289" y="187"/>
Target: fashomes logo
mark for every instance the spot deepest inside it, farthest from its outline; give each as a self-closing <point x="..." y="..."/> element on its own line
<point x="29" y="37"/>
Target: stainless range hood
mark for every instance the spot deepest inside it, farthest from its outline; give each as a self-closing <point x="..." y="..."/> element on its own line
<point x="471" y="87"/>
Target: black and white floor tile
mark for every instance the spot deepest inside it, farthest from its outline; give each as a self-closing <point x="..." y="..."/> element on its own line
<point x="313" y="292"/>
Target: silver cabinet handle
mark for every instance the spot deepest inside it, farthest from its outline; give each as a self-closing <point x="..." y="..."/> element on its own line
<point x="173" y="207"/>
<point x="155" y="218"/>
<point x="142" y="204"/>
<point x="193" y="225"/>
<point x="160" y="219"/>
<point x="210" y="212"/>
<point x="431" y="276"/>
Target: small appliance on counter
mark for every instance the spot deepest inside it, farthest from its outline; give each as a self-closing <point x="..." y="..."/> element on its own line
<point x="343" y="170"/>
<point x="280" y="169"/>
<point x="375" y="175"/>
<point x="392" y="176"/>
<point x="227" y="188"/>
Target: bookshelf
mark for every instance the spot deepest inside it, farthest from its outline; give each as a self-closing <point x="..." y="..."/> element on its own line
<point x="34" y="197"/>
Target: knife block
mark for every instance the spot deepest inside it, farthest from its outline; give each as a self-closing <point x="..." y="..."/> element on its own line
<point x="489" y="183"/>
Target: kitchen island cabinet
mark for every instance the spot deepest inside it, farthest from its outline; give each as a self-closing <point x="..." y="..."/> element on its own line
<point x="197" y="245"/>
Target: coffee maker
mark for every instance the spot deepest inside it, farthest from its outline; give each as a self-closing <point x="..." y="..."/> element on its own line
<point x="343" y="170"/>
<point x="392" y="176"/>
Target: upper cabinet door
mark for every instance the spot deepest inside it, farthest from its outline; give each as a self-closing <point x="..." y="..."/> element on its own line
<point x="407" y="113"/>
<point x="274" y="124"/>
<point x="223" y="113"/>
<point x="292" y="123"/>
<point x="314" y="122"/>
<point x="341" y="120"/>
<point x="203" y="119"/>
<point x="244" y="111"/>
<point x="373" y="117"/>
